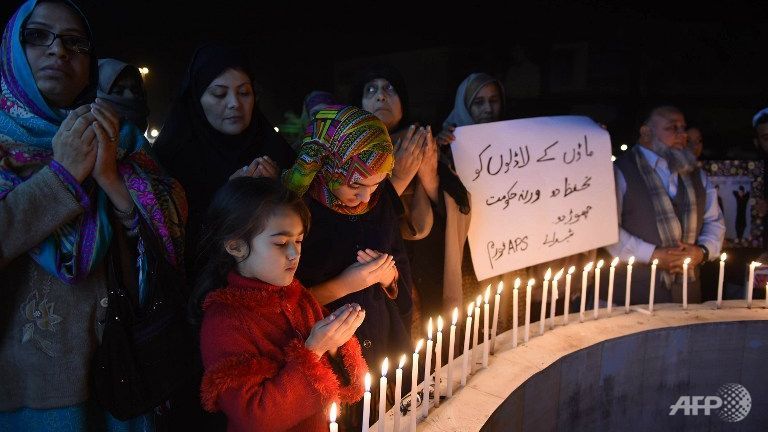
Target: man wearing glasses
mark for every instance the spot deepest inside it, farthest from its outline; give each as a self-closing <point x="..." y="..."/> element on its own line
<point x="667" y="208"/>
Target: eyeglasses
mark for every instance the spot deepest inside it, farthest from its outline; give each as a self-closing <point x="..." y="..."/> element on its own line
<point x="41" y="37"/>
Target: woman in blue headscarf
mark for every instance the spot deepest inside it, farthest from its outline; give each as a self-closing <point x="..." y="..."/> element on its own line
<point x="72" y="183"/>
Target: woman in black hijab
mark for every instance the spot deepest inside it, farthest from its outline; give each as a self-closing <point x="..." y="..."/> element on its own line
<point x="215" y="131"/>
<point x="422" y="178"/>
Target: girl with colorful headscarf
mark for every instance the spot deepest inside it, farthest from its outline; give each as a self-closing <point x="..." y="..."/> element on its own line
<point x="73" y="184"/>
<point x="354" y="252"/>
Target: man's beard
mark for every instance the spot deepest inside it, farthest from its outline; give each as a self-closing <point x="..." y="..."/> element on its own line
<point x="680" y="161"/>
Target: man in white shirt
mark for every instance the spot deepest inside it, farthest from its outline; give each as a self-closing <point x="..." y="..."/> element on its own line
<point x="667" y="208"/>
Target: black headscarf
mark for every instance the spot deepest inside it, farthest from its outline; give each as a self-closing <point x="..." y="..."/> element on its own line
<point x="198" y="155"/>
<point x="390" y="74"/>
<point x="449" y="181"/>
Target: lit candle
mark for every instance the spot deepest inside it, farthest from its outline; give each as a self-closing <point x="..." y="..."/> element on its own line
<point x="515" y="293"/>
<point x="451" y="343"/>
<point x="543" y="313"/>
<point x="584" y="274"/>
<point x="685" y="282"/>
<point x="611" y="273"/>
<point x="596" y="301"/>
<point x="427" y="372"/>
<point x="415" y="383"/>
<point x="383" y="395"/>
<point x="467" y="352"/>
<point x="496" y="301"/>
<point x="367" y="402"/>
<point x="567" y="300"/>
<point x="334" y="427"/>
<point x="399" y="392"/>
<point x="653" y="285"/>
<point x="475" y="331"/>
<point x="720" y="281"/>
<point x="751" y="281"/>
<point x="531" y="282"/>
<point x="555" y="296"/>
<point x="486" y="330"/>
<point x="438" y="359"/>
<point x="628" y="289"/>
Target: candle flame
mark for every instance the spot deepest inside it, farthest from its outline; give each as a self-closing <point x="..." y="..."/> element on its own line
<point x="531" y="282"/>
<point x="558" y="274"/>
<point x="571" y="270"/>
<point x="439" y="323"/>
<point x="367" y="381"/>
<point x="614" y="262"/>
<point x="429" y="328"/>
<point x="500" y="287"/>
<point x="478" y="300"/>
<point x="469" y="309"/>
<point x="599" y="264"/>
<point x="687" y="261"/>
<point x="588" y="267"/>
<point x="418" y="346"/>
<point x="385" y="366"/>
<point x="723" y="257"/>
<point x="517" y="283"/>
<point x="487" y="294"/>
<point x="455" y="315"/>
<point x="402" y="361"/>
<point x="332" y="414"/>
<point x="548" y="274"/>
<point x="755" y="264"/>
<point x="631" y="260"/>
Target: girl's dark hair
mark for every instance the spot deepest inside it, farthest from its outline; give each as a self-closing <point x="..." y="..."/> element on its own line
<point x="239" y="211"/>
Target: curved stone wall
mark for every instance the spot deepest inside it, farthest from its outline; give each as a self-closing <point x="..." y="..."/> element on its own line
<point x="619" y="373"/>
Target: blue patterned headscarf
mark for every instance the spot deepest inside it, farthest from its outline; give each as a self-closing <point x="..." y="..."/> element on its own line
<point x="27" y="127"/>
<point x="17" y="75"/>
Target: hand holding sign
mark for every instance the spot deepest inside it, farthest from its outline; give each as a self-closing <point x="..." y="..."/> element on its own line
<point x="541" y="188"/>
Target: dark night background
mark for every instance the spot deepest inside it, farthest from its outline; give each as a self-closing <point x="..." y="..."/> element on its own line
<point x="599" y="58"/>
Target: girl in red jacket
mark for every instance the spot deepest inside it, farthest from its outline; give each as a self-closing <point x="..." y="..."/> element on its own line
<point x="272" y="362"/>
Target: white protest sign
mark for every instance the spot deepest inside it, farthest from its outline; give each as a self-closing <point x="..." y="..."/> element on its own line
<point x="542" y="189"/>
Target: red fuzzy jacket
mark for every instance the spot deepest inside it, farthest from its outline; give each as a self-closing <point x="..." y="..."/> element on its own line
<point x="257" y="370"/>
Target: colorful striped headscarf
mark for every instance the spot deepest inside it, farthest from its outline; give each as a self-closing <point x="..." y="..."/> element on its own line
<point x="343" y="144"/>
<point x="27" y="127"/>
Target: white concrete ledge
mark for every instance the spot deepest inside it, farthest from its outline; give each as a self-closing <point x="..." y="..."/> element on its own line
<point x="470" y="408"/>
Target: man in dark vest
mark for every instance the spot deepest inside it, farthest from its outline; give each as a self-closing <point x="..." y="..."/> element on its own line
<point x="667" y="211"/>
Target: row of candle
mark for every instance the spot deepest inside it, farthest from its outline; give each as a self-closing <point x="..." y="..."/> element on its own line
<point x="489" y="334"/>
